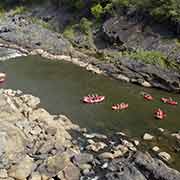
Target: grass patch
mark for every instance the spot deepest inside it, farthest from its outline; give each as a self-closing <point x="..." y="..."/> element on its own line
<point x="69" y="32"/>
<point x="19" y="10"/>
<point x="41" y="23"/>
<point x="155" y="58"/>
<point x="85" y="26"/>
<point x="2" y="12"/>
<point x="82" y="29"/>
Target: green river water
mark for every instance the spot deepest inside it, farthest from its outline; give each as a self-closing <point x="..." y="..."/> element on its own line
<point x="61" y="85"/>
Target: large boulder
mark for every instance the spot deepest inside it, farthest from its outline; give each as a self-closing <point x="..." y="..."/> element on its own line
<point x="21" y="170"/>
<point x="154" y="168"/>
<point x="12" y="144"/>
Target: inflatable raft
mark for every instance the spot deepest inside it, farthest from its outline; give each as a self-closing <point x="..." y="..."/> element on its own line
<point x="92" y="99"/>
<point x="120" y="106"/>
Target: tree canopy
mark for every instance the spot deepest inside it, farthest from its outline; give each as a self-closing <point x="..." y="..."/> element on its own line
<point x="160" y="9"/>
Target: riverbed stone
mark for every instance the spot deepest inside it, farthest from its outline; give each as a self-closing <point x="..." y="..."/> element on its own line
<point x="117" y="153"/>
<point x="122" y="148"/>
<point x="121" y="133"/>
<point x="154" y="167"/>
<point x="83" y="158"/>
<point x="21" y="170"/>
<point x="161" y="130"/>
<point x="30" y="100"/>
<point x="3" y="173"/>
<point x="56" y="163"/>
<point x="155" y="148"/>
<point x="95" y="135"/>
<point x="136" y="142"/>
<point x="85" y="166"/>
<point x="148" y="136"/>
<point x="177" y="135"/>
<point x="96" y="146"/>
<point x="9" y="92"/>
<point x="106" y="155"/>
<point x="122" y="77"/>
<point x="8" y="178"/>
<point x="165" y="156"/>
<point x="146" y="84"/>
<point x="35" y="176"/>
<point x="71" y="172"/>
<point x="12" y="146"/>
<point x="66" y="122"/>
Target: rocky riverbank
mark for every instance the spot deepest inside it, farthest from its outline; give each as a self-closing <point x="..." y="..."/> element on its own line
<point x="35" y="145"/>
<point x="28" y="36"/>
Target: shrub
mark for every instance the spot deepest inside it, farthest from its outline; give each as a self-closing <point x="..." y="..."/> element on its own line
<point x="69" y="32"/>
<point x="41" y="23"/>
<point x="85" y="25"/>
<point x="97" y="10"/>
<point x="121" y="2"/>
<point x="2" y="12"/>
<point x="19" y="10"/>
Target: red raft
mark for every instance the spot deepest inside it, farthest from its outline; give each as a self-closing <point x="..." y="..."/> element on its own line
<point x="92" y="99"/>
<point x="148" y="97"/>
<point x="2" y="77"/>
<point x="159" y="114"/>
<point x="120" y="106"/>
<point x="169" y="101"/>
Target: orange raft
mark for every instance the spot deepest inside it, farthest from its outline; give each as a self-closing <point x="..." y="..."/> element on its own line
<point x="92" y="99"/>
<point x="120" y="106"/>
<point x="148" y="97"/>
<point x="169" y="101"/>
<point x="159" y="114"/>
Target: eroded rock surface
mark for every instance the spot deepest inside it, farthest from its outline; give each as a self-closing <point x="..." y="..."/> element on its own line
<point x="32" y="143"/>
<point x="20" y="30"/>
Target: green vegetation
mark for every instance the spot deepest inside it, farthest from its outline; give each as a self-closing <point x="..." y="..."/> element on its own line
<point x="159" y="9"/>
<point x="154" y="58"/>
<point x="19" y="10"/>
<point x="85" y="26"/>
<point x="41" y="23"/>
<point x="150" y="57"/>
<point x="2" y="12"/>
<point x="97" y="10"/>
<point x="69" y="33"/>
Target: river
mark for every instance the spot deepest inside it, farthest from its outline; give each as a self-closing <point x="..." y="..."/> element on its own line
<point x="61" y="86"/>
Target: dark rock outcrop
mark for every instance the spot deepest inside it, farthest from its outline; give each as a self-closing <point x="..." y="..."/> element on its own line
<point x="140" y="73"/>
<point x="21" y="31"/>
<point x="160" y="78"/>
<point x="133" y="35"/>
<point x="140" y="166"/>
<point x="154" y="169"/>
